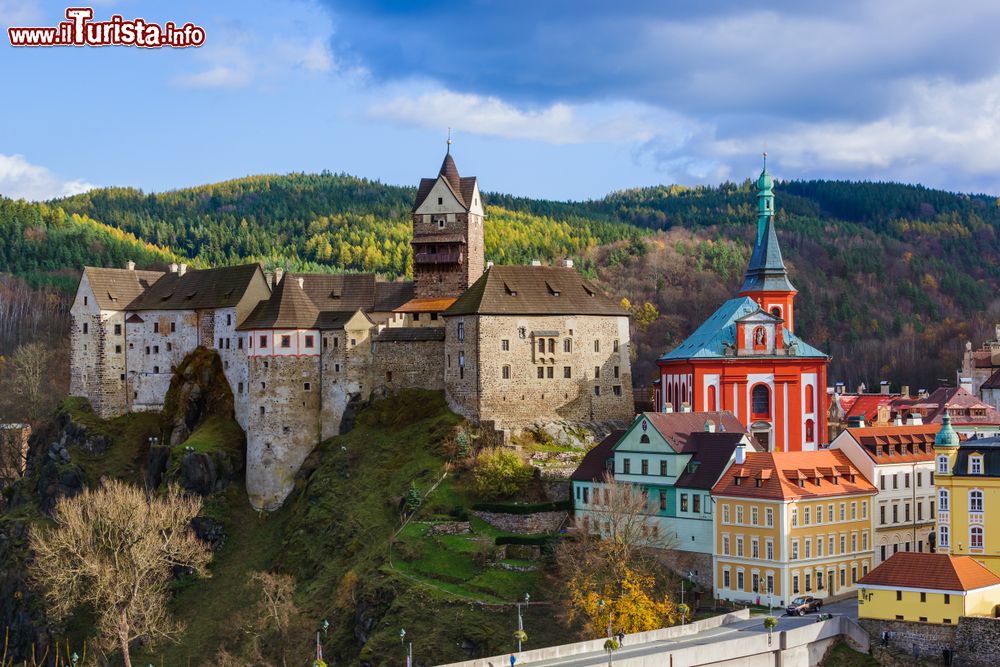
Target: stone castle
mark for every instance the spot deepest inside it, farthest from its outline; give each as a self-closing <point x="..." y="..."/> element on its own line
<point x="510" y="346"/>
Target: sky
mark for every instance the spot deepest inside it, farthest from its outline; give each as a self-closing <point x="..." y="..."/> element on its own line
<point x="544" y="98"/>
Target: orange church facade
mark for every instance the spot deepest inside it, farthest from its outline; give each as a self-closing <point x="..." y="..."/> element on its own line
<point x="746" y="358"/>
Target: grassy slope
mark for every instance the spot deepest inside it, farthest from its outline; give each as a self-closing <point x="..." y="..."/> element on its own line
<point x="842" y="655"/>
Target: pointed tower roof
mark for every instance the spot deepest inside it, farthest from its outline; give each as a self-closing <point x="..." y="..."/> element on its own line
<point x="947" y="436"/>
<point x="462" y="187"/>
<point x="289" y="307"/>
<point x="766" y="271"/>
<point x="450" y="172"/>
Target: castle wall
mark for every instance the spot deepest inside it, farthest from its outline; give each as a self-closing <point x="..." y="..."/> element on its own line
<point x="407" y="365"/>
<point x="590" y="382"/>
<point x="231" y="346"/>
<point x="157" y="345"/>
<point x="283" y="423"/>
<point x="97" y="353"/>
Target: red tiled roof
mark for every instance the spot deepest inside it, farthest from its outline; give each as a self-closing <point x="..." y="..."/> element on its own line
<point x="993" y="382"/>
<point x="868" y="404"/>
<point x="912" y="569"/>
<point x="957" y="401"/>
<point x="779" y="471"/>
<point x="427" y="305"/>
<point x="897" y="444"/>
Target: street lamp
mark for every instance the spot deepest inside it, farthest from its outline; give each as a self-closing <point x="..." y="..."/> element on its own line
<point x="520" y="634"/>
<point x="325" y="625"/>
<point x="409" y="651"/>
<point x="74" y="658"/>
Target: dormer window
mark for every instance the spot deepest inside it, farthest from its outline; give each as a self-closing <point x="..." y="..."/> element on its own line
<point x="976" y="464"/>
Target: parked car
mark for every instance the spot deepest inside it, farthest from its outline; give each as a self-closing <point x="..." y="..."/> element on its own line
<point x="805" y="604"/>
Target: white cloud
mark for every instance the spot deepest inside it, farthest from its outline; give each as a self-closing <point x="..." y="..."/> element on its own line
<point x="558" y="123"/>
<point x="20" y="13"/>
<point x="19" y="179"/>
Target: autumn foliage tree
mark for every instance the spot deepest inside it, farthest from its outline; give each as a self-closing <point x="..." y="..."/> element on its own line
<point x="610" y="558"/>
<point x="115" y="549"/>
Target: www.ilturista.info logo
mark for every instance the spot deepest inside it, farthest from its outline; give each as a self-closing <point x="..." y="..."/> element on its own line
<point x="80" y="30"/>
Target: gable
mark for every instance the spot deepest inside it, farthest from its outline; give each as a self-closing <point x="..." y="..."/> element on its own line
<point x="643" y="437"/>
<point x="449" y="201"/>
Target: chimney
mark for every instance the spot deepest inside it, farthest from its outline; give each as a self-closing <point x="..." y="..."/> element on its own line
<point x="130" y="265"/>
<point x="741" y="455"/>
<point x="182" y="269"/>
<point x="915" y="419"/>
<point x="883" y="387"/>
<point x="668" y="407"/>
<point x="173" y="267"/>
<point x="301" y="281"/>
<point x="709" y="426"/>
<point x="840" y="387"/>
<point x="685" y="407"/>
<point x="905" y="390"/>
<point x="898" y="421"/>
<point x="856" y="421"/>
<point x="567" y="263"/>
<point x="861" y="388"/>
<point x="966" y="384"/>
<point x="535" y="262"/>
<point x="278" y="273"/>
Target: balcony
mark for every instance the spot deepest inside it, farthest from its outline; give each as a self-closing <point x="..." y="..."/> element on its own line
<point x="441" y="257"/>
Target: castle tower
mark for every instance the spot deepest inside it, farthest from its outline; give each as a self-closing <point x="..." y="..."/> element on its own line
<point x="447" y="233"/>
<point x="766" y="280"/>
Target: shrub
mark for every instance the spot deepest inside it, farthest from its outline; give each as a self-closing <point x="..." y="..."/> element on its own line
<point x="500" y="473"/>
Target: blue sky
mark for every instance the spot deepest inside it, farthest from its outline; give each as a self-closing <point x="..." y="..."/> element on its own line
<point x="546" y="99"/>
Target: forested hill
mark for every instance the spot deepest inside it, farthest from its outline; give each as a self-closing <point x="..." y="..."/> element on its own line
<point x="892" y="278"/>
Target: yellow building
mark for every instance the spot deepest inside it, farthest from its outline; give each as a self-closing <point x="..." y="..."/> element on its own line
<point x="967" y="477"/>
<point x="789" y="524"/>
<point x="928" y="588"/>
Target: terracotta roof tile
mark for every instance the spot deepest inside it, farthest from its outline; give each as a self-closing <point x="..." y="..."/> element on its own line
<point x="786" y="468"/>
<point x="389" y="296"/>
<point x="287" y="308"/>
<point x="427" y="305"/>
<point x="897" y="444"/>
<point x="912" y="569"/>
<point x="594" y="465"/>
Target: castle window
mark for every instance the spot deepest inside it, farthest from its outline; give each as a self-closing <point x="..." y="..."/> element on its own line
<point x="434" y="316"/>
<point x="440" y="201"/>
<point x="567" y="372"/>
<point x="617" y="371"/>
<point x="156" y="369"/>
<point x="131" y="346"/>
<point x="307" y="385"/>
<point x="262" y="414"/>
<point x="336" y="368"/>
<point x="354" y="342"/>
<point x="597" y="346"/>
<point x="550" y="372"/>
<point x="552" y="346"/>
<point x="239" y="388"/>
<point x="85" y="301"/>
<point x="228" y="341"/>
<point x="416" y="317"/>
<point x="86" y="328"/>
<point x="226" y="364"/>
<point x="336" y="342"/>
<point x="567" y="345"/>
<point x="156" y="327"/>
<point x="597" y="372"/>
<point x="541" y="373"/>
<point x="440" y="223"/>
<point x="239" y="343"/>
<point x="285" y="429"/>
<point x="118" y="330"/>
<point x="505" y="372"/>
<point x="173" y="327"/>
<point x="118" y="349"/>
<point x="760" y="401"/>
<point x="263" y="341"/>
<point x="286" y="341"/>
<point x="229" y="320"/>
<point x="615" y="346"/>
<point x="541" y="346"/>
<point x="263" y="385"/>
<point x="310" y="341"/>
<point x="617" y="389"/>
<point x="597" y="390"/>
<point x="121" y="377"/>
<point x="461" y="330"/>
<point x="505" y="345"/>
<point x="222" y="343"/>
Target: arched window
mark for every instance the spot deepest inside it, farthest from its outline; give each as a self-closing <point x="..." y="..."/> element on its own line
<point x="976" y="537"/>
<point x="541" y="346"/>
<point x="670" y="392"/>
<point x="644" y="439"/>
<point x="760" y="401"/>
<point x="776" y="311"/>
<point x="552" y="346"/>
<point x="810" y="403"/>
<point x="711" y="398"/>
<point x="975" y="500"/>
<point x="943" y="500"/>
<point x="684" y="393"/>
<point x="810" y="430"/>
<point x="942" y="536"/>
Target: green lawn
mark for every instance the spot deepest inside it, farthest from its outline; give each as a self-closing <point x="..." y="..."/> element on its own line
<point x="842" y="655"/>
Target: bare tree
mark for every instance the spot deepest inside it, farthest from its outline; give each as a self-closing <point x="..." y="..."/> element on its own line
<point x="116" y="549"/>
<point x="276" y="609"/>
<point x="27" y="367"/>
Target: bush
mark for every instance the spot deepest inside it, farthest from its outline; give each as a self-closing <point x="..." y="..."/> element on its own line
<point x="500" y="473"/>
<point x="524" y="508"/>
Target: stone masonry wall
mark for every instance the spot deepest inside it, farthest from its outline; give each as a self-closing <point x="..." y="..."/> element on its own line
<point x="691" y="565"/>
<point x="923" y="639"/>
<point x="977" y="641"/>
<point x="97" y="354"/>
<point x="155" y="347"/>
<point x="283" y="424"/>
<point x="407" y="364"/>
<point x="438" y="280"/>
<point x="525" y="524"/>
<point x="599" y="386"/>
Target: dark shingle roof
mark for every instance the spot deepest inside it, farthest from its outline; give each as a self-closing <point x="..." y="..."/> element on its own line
<point x="988" y="447"/>
<point x="461" y="187"/>
<point x="957" y="401"/>
<point x="115" y="289"/>
<point x="678" y="427"/>
<point x="221" y="287"/>
<point x="340" y="292"/>
<point x="410" y="334"/>
<point x="766" y="270"/>
<point x="533" y="290"/>
<point x="711" y="456"/>
<point x="595" y="464"/>
<point x="287" y="308"/>
<point x="993" y="382"/>
<point x="390" y="296"/>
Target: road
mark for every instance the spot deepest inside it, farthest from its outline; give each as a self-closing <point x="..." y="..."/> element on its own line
<point x="755" y="625"/>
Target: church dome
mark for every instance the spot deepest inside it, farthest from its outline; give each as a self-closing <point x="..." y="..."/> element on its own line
<point x="765" y="182"/>
<point x="946" y="437"/>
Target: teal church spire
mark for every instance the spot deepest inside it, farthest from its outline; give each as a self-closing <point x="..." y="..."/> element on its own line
<point x="765" y="200"/>
<point x="766" y="271"/>
<point x="947" y="436"/>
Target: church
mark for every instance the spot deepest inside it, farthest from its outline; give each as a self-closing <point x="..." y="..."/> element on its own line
<point x="746" y="358"/>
